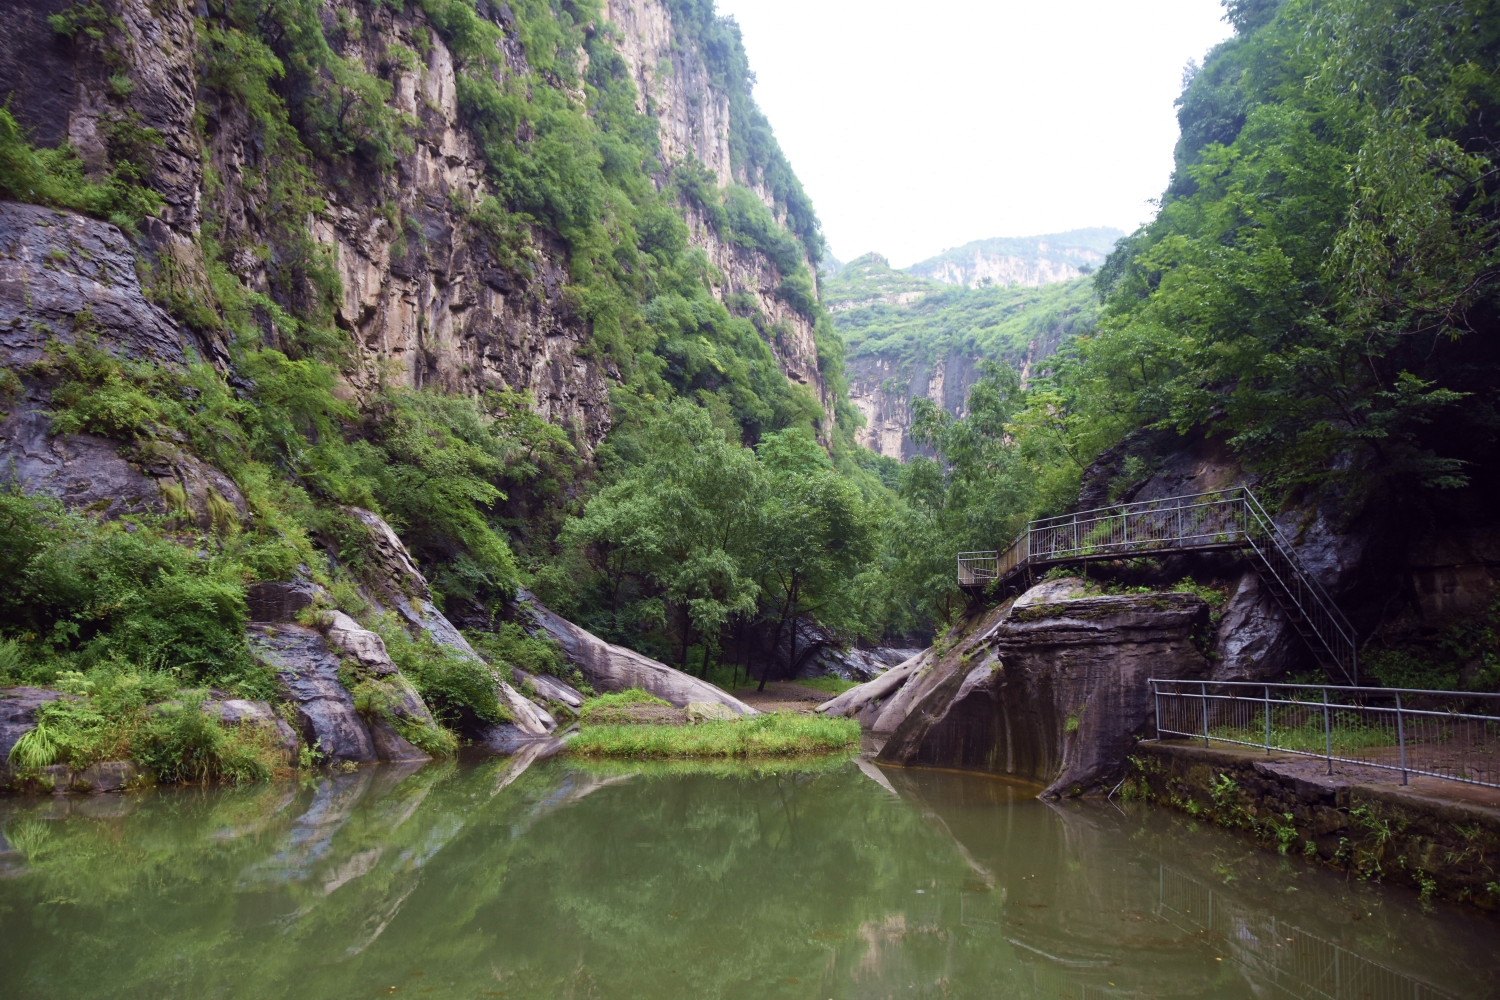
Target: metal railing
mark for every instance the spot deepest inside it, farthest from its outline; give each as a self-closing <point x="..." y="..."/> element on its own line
<point x="975" y="569"/>
<point x="1231" y="518"/>
<point x="1445" y="734"/>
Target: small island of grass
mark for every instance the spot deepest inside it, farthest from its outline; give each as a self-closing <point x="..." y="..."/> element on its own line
<point x="633" y="724"/>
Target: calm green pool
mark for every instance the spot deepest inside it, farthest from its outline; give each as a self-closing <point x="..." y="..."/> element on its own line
<point x="495" y="879"/>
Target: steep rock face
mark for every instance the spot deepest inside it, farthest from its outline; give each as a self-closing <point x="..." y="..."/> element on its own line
<point x="1059" y="692"/>
<point x="424" y="293"/>
<point x="672" y="83"/>
<point x="882" y="389"/>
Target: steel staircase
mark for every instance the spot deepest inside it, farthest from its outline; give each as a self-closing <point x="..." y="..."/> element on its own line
<point x="1229" y="519"/>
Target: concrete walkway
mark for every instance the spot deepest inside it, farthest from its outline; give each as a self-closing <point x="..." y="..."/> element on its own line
<point x="1421" y="790"/>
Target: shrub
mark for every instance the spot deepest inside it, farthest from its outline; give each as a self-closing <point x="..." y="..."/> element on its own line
<point x="182" y="743"/>
<point x="458" y="689"/>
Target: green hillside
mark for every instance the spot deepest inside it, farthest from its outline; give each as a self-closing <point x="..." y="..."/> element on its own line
<point x="990" y="323"/>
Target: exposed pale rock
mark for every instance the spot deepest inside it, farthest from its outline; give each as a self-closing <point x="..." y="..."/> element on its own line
<point x="608" y="667"/>
<point x="550" y="688"/>
<point x="1059" y="693"/>
<point x="896" y="708"/>
<point x="852" y="701"/>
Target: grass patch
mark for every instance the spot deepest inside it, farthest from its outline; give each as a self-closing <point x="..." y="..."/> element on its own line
<point x="777" y="734"/>
<point x="714" y="767"/>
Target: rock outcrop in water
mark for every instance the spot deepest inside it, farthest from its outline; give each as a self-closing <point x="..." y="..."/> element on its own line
<point x="1055" y="692"/>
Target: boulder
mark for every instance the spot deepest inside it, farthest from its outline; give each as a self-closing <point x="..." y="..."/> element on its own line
<point x="1253" y="640"/>
<point x="239" y="711"/>
<point x="273" y="601"/>
<point x="307" y="672"/>
<point x="105" y="776"/>
<point x="1057" y="692"/>
<point x="608" y="667"/>
<point x="549" y="688"/>
<point x="18" y="707"/>
<point x="351" y="639"/>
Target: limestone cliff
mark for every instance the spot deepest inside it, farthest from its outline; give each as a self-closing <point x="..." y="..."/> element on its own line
<point x="426" y="296"/>
<point x="909" y="337"/>
<point x="1024" y="260"/>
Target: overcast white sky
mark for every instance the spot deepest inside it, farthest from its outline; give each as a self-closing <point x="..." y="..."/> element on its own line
<point x="921" y="126"/>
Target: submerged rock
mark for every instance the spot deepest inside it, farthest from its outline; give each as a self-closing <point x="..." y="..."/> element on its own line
<point x="608" y="667"/>
<point x="1056" y="692"/>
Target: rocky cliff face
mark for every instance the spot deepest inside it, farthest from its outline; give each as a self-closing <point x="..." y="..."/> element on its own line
<point x="672" y="84"/>
<point x="909" y="337"/>
<point x="424" y="296"/>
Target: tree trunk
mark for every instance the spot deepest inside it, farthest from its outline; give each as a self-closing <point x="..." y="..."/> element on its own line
<point x="789" y="606"/>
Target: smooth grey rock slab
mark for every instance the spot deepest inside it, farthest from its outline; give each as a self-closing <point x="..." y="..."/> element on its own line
<point x="55" y="267"/>
<point x="1058" y="693"/>
<point x="608" y="667"/>
<point x="307" y="672"/>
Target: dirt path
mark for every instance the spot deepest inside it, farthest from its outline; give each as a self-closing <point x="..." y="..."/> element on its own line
<point x="782" y="696"/>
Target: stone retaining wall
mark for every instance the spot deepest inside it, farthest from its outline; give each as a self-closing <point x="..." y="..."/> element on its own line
<point x="1440" y="837"/>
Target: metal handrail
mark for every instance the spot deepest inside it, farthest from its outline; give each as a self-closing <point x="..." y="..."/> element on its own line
<point x="1454" y="742"/>
<point x="1232" y="518"/>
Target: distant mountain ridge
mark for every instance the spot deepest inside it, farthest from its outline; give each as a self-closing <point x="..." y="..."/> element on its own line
<point x="1030" y="261"/>
<point x="906" y="337"/>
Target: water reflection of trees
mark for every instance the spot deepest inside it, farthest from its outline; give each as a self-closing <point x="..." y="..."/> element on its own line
<point x="550" y="879"/>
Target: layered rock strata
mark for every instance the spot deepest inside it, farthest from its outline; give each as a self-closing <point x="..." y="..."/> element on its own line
<point x="1057" y="693"/>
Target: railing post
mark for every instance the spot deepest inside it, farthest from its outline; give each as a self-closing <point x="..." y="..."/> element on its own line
<point x="1156" y="693"/>
<point x="1268" y="719"/>
<point x="1327" y="733"/>
<point x="1204" y="691"/>
<point x="1401" y="737"/>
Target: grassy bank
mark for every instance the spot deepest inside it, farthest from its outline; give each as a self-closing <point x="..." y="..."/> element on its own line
<point x="777" y="734"/>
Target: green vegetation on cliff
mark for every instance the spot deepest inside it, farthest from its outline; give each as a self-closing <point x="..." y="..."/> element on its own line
<point x="882" y="312"/>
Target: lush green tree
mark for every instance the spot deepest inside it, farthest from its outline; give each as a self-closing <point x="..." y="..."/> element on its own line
<point x="816" y="533"/>
<point x="675" y="533"/>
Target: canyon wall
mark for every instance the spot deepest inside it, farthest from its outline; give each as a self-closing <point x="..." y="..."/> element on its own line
<point x="425" y="298"/>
